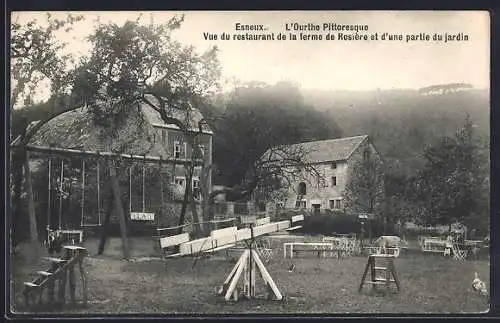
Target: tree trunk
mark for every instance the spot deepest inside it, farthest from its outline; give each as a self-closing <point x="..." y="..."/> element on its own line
<point x="31" y="202"/>
<point x="104" y="228"/>
<point x="115" y="186"/>
<point x="207" y="213"/>
<point x="197" y="227"/>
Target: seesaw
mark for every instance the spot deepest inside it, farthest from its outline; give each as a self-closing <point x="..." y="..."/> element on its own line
<point x="249" y="261"/>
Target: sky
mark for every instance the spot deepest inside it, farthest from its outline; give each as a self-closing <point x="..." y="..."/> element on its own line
<point x="325" y="64"/>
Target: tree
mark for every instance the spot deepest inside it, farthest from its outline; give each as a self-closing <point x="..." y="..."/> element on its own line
<point x="34" y="57"/>
<point x="364" y="191"/>
<point x="259" y="118"/>
<point x="398" y="206"/>
<point x="127" y="66"/>
<point x="134" y="64"/>
<point x="450" y="187"/>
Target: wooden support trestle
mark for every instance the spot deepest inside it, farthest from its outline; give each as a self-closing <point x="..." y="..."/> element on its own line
<point x="248" y="263"/>
<point x="389" y="271"/>
<point x="60" y="271"/>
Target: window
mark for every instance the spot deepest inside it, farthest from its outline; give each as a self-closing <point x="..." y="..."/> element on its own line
<point x="334" y="181"/>
<point x="196" y="188"/>
<point x="164" y="136"/>
<point x="202" y="150"/>
<point x="179" y="181"/>
<point x="177" y="149"/>
<point x="302" y="188"/>
<point x="366" y="155"/>
<point x="335" y="204"/>
<point x="196" y="183"/>
<point x="185" y="150"/>
<point x="333" y="165"/>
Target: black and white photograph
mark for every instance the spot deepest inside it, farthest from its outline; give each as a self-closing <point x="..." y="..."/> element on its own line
<point x="249" y="162"/>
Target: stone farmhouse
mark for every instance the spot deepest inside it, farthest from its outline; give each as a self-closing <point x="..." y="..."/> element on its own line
<point x="333" y="160"/>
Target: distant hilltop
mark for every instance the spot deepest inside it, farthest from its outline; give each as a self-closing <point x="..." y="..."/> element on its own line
<point x="445" y="88"/>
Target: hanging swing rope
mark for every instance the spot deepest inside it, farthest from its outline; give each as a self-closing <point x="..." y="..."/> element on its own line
<point x="83" y="194"/>
<point x="141" y="216"/>
<point x="161" y="185"/>
<point x="98" y="192"/>
<point x="49" y="197"/>
<point x="61" y="193"/>
<point x="130" y="189"/>
<point x="144" y="185"/>
<point x="58" y="236"/>
<point x="82" y="202"/>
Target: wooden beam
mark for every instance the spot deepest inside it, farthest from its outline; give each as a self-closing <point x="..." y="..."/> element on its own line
<point x="147" y="158"/>
<point x="31" y="202"/>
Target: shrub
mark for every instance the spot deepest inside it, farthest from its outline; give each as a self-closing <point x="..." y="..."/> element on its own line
<point x="337" y="222"/>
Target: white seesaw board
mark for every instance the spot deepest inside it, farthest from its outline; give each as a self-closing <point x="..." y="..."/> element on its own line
<point x="225" y="238"/>
<point x="174" y="240"/>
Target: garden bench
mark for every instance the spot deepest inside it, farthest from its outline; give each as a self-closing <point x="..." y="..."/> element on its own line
<point x="319" y="247"/>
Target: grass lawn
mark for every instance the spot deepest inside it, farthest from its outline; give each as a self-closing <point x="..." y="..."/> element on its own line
<point x="430" y="284"/>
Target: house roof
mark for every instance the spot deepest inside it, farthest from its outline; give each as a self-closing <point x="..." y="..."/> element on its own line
<point x="330" y="149"/>
<point x="77" y="130"/>
<point x="189" y="116"/>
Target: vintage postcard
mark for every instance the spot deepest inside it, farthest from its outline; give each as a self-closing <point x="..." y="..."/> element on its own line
<point x="249" y="162"/>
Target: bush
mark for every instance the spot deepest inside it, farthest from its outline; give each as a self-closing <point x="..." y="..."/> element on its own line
<point x="337" y="222"/>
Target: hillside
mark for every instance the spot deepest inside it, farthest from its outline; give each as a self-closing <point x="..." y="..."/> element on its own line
<point x="399" y="122"/>
<point x="402" y="122"/>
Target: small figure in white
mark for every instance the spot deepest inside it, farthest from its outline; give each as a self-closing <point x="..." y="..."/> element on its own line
<point x="479" y="286"/>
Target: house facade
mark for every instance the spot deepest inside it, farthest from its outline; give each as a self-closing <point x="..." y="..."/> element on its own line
<point x="333" y="161"/>
<point x="171" y="141"/>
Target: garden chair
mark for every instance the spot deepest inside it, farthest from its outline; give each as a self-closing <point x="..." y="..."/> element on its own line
<point x="458" y="254"/>
<point x="263" y="247"/>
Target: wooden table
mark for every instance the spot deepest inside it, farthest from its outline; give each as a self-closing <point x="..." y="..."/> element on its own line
<point x="323" y="245"/>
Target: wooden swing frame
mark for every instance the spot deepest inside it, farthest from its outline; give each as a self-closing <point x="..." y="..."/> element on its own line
<point x="115" y="187"/>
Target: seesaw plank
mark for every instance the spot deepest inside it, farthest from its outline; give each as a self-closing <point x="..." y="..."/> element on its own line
<point x="196" y="246"/>
<point x="225" y="240"/>
<point x="264" y="229"/>
<point x="174" y="240"/>
<point x="219" y="233"/>
<point x="243" y="234"/>
<point x="282" y="225"/>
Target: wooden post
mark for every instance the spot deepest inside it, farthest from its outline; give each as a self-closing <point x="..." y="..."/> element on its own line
<point x="62" y="286"/>
<point x="119" y="208"/>
<point x="84" y="280"/>
<point x="31" y="203"/>
<point x="72" y="284"/>
<point x="51" y="286"/>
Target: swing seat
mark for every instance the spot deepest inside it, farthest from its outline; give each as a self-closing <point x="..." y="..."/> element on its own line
<point x="142" y="216"/>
